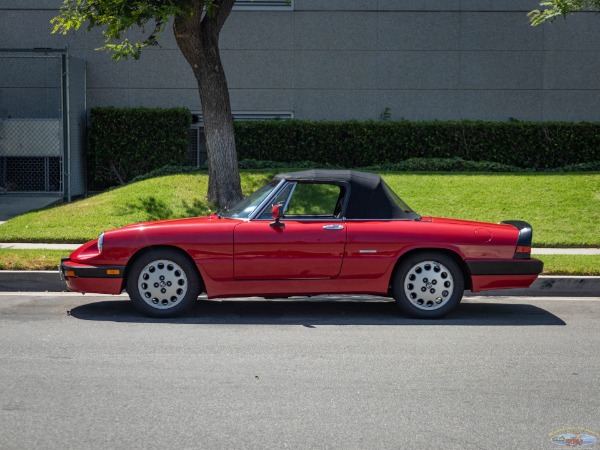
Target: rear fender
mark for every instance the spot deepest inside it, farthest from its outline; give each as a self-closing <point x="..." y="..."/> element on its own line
<point x="452" y="254"/>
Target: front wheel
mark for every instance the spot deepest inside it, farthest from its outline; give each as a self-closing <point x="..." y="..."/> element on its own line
<point x="428" y="285"/>
<point x="163" y="283"/>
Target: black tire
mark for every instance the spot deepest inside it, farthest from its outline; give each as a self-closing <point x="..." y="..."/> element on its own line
<point x="163" y="283"/>
<point x="428" y="285"/>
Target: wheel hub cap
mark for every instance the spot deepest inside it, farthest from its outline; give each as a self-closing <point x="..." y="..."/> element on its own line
<point x="428" y="285"/>
<point x="162" y="284"/>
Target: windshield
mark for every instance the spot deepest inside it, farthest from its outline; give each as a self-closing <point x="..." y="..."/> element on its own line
<point x="243" y="209"/>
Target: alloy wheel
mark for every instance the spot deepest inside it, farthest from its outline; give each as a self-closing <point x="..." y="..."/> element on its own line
<point x="428" y="285"/>
<point x="162" y="284"/>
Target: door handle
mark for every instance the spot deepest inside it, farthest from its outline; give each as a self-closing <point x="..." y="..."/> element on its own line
<point x="333" y="227"/>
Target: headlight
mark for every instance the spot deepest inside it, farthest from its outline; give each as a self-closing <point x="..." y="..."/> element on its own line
<point x="100" y="242"/>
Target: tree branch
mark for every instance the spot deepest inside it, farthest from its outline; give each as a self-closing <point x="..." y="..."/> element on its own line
<point x="218" y="13"/>
<point x="556" y="8"/>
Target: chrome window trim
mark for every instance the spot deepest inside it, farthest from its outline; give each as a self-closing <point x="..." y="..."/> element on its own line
<point x="383" y="220"/>
<point x="343" y="219"/>
<point x="324" y="219"/>
<point x="259" y="209"/>
<point x="287" y="202"/>
<point x="279" y="191"/>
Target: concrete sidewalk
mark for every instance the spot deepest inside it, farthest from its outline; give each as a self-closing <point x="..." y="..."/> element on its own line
<point x="565" y="251"/>
<point x="19" y="246"/>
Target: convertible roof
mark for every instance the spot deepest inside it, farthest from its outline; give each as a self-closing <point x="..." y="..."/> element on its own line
<point x="370" y="196"/>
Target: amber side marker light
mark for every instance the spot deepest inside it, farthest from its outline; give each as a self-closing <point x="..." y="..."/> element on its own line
<point x="70" y="273"/>
<point x="113" y="271"/>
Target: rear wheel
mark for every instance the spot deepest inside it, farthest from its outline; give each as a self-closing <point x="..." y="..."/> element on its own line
<point x="163" y="283"/>
<point x="428" y="285"/>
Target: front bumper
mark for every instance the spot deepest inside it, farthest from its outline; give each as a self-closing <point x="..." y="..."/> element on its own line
<point x="504" y="274"/>
<point x="91" y="279"/>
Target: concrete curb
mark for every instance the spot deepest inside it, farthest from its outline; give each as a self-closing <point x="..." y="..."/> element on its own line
<point x="544" y="286"/>
<point x="553" y="286"/>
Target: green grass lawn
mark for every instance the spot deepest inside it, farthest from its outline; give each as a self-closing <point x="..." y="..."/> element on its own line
<point x="11" y="259"/>
<point x="157" y="198"/>
<point x="571" y="264"/>
<point x="564" y="209"/>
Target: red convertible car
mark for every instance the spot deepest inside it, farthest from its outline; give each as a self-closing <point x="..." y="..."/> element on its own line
<point x="307" y="233"/>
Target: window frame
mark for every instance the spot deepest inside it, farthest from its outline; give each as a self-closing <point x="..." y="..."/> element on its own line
<point x="264" y="5"/>
<point x="344" y="186"/>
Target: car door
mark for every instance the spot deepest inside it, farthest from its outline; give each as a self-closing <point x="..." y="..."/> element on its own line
<point x="308" y="244"/>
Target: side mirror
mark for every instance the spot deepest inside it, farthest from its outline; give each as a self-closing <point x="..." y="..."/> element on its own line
<point x="277" y="213"/>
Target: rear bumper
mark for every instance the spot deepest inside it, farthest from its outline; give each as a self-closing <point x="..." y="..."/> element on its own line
<point x="504" y="274"/>
<point x="92" y="279"/>
<point x="506" y="267"/>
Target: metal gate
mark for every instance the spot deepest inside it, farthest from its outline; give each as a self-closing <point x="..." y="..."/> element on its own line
<point x="42" y="122"/>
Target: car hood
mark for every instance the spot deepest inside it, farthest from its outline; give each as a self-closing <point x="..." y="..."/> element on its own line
<point x="169" y="231"/>
<point x="175" y="222"/>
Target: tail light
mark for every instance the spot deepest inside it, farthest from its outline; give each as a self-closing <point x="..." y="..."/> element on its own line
<point x="523" y="247"/>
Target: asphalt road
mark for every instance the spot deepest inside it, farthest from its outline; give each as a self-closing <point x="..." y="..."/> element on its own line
<point x="89" y="372"/>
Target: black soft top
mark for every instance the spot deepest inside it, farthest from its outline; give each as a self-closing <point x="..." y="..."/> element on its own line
<point x="370" y="196"/>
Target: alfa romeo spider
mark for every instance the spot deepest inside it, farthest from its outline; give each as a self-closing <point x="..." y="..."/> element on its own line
<point x="302" y="234"/>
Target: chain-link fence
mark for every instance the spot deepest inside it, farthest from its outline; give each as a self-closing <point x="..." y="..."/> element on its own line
<point x="42" y="122"/>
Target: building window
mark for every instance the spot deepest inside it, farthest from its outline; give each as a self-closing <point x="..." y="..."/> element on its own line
<point x="251" y="5"/>
<point x="197" y="141"/>
<point x="197" y="148"/>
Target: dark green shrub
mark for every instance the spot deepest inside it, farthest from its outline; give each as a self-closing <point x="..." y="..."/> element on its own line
<point x="531" y="145"/>
<point x="444" y="165"/>
<point x="126" y="142"/>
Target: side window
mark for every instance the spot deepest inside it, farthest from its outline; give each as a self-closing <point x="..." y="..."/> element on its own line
<point x="314" y="199"/>
<point x="308" y="200"/>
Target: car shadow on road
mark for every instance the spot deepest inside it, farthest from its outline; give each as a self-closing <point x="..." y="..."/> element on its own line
<point x="310" y="313"/>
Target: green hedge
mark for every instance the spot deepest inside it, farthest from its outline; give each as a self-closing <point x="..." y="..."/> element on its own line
<point x="532" y="145"/>
<point x="127" y="142"/>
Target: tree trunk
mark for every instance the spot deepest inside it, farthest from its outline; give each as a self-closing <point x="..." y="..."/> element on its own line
<point x="198" y="38"/>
